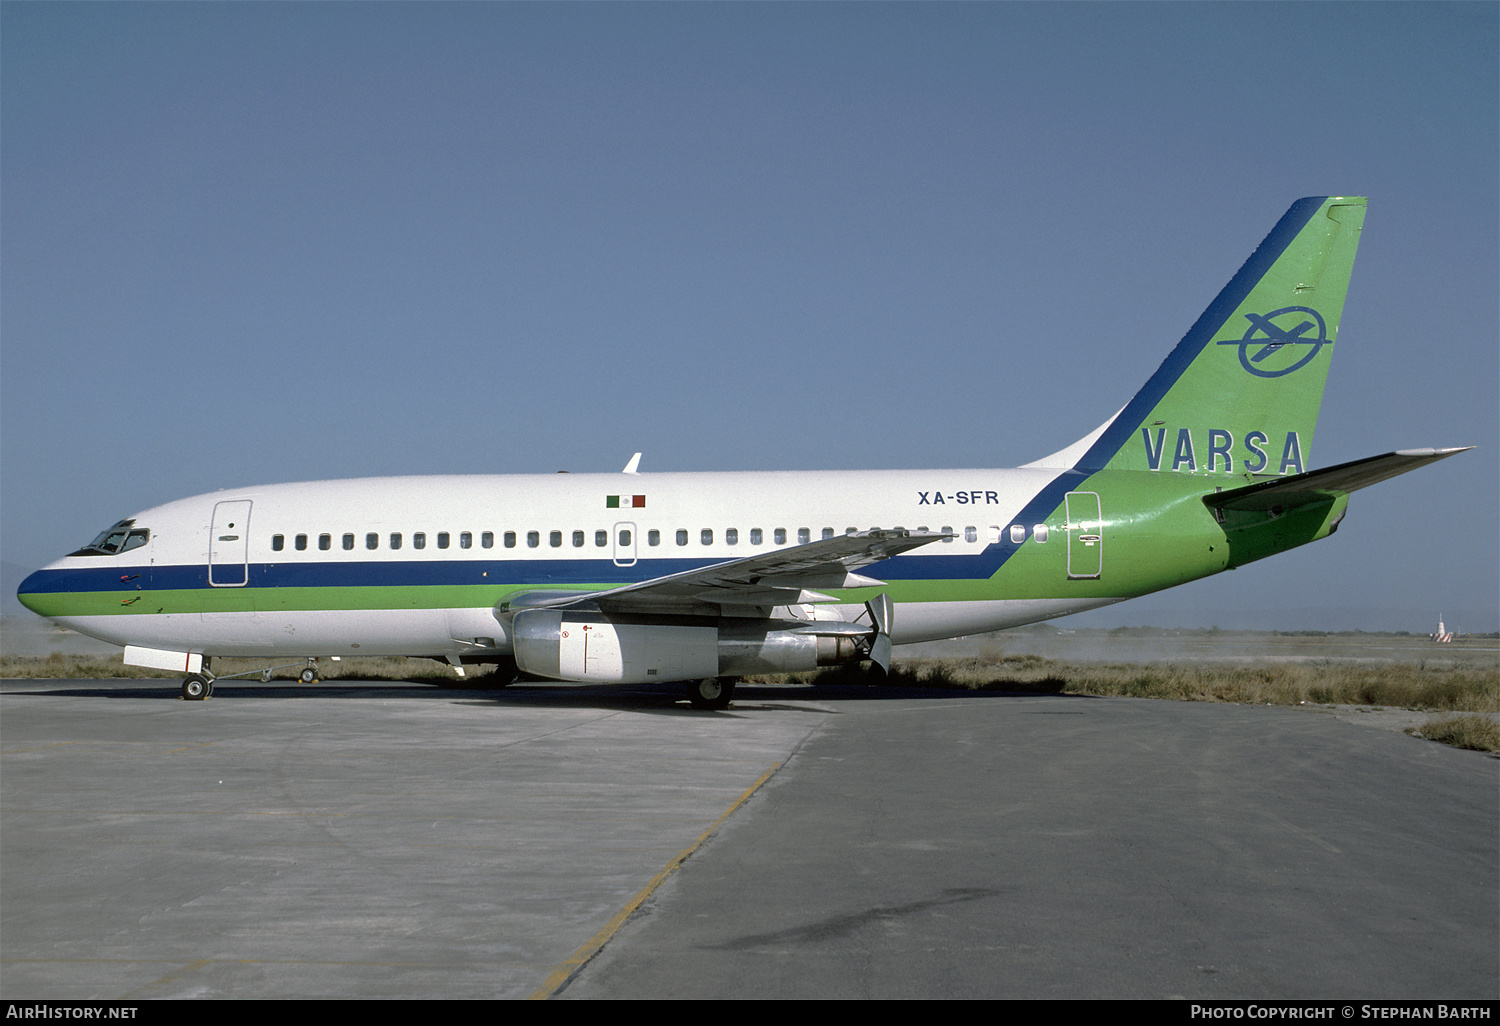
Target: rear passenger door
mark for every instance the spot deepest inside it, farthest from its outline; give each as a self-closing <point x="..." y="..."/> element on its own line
<point x="1085" y="535"/>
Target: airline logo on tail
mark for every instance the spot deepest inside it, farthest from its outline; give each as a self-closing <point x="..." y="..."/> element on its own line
<point x="1266" y="338"/>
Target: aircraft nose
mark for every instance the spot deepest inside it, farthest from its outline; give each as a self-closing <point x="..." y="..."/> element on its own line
<point x="31" y="590"/>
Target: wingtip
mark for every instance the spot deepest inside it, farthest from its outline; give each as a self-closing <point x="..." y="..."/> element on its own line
<point x="1435" y="453"/>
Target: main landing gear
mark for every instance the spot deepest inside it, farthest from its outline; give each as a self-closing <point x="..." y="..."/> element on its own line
<point x="710" y="692"/>
<point x="197" y="687"/>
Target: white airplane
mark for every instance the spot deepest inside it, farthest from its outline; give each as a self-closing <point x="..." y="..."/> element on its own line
<point x="702" y="578"/>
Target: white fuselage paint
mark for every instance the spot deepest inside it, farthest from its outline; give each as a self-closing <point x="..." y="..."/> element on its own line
<point x="183" y="536"/>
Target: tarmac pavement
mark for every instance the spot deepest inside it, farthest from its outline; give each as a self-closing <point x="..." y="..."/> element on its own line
<point x="389" y="840"/>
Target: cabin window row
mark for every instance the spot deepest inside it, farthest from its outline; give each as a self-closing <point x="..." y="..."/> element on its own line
<point x="348" y="541"/>
<point x="579" y="539"/>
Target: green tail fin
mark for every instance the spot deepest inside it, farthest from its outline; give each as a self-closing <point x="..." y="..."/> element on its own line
<point x="1240" y="393"/>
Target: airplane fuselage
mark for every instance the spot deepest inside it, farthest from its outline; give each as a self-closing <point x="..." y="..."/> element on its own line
<point x="420" y="565"/>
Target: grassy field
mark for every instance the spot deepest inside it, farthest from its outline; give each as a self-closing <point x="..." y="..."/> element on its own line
<point x="1446" y="686"/>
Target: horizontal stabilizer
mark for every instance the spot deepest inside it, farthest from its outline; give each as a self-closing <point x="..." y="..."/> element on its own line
<point x="1319" y="485"/>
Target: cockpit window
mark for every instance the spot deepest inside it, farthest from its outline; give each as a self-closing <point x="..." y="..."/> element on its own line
<point x="117" y="538"/>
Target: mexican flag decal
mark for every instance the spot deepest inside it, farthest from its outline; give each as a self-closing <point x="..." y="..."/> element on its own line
<point x="624" y="502"/>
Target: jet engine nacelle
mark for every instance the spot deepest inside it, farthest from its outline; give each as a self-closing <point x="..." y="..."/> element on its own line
<point x="590" y="646"/>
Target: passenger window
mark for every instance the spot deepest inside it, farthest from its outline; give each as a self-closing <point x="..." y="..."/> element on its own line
<point x="707" y="536"/>
<point x="682" y="537"/>
<point x="732" y="536"/>
<point x="465" y="540"/>
<point x="325" y="542"/>
<point x="624" y="539"/>
<point x="1017" y="534"/>
<point x="487" y="539"/>
<point x="779" y="536"/>
<point x="971" y="534"/>
<point x="804" y="535"/>
<point x="578" y="539"/>
<point x="277" y="542"/>
<point x="533" y="539"/>
<point x="653" y="537"/>
<point x="827" y="533"/>
<point x="601" y="538"/>
<point x="510" y="539"/>
<point x="850" y="532"/>
<point x="1039" y="533"/>
<point x="348" y="541"/>
<point x="372" y="540"/>
<point x="419" y="540"/>
<point x="947" y="534"/>
<point x="442" y="539"/>
<point x="395" y="540"/>
<point x="554" y="538"/>
<point x="755" y="536"/>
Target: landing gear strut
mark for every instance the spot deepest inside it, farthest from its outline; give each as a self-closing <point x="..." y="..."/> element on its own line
<point x="710" y="692"/>
<point x="199" y="686"/>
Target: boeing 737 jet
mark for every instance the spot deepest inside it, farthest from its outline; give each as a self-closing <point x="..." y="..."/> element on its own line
<point x="705" y="577"/>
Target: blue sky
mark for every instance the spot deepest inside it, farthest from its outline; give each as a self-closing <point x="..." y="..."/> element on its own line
<point x="246" y="243"/>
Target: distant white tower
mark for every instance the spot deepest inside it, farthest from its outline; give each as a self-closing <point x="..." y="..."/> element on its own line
<point x="1442" y="633"/>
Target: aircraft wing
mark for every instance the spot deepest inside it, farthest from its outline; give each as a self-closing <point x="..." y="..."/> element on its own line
<point x="1318" y="485"/>
<point x="782" y="577"/>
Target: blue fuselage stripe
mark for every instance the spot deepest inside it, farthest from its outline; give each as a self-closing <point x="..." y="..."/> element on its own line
<point x="427" y="573"/>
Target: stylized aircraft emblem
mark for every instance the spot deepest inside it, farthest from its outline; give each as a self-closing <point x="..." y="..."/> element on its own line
<point x="1265" y="337"/>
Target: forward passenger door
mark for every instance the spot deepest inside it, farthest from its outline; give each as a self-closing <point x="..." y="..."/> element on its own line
<point x="229" y="544"/>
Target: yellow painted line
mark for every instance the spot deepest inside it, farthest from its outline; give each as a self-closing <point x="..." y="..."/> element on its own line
<point x="170" y="977"/>
<point x="564" y="971"/>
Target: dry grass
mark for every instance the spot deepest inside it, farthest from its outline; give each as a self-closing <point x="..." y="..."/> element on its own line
<point x="1442" y="688"/>
<point x="1445" y="688"/>
<point x="1480" y="733"/>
